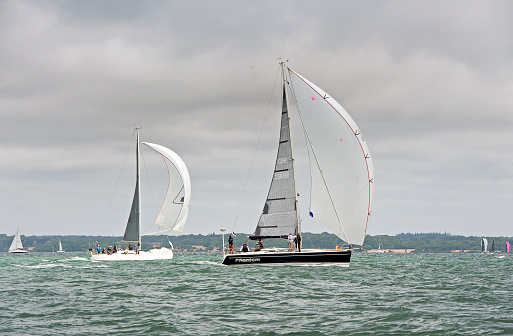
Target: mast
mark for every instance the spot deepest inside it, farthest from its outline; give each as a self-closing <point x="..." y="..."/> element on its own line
<point x="138" y="189"/>
<point x="285" y="82"/>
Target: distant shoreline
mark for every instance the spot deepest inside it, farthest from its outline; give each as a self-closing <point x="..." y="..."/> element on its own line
<point x="400" y="243"/>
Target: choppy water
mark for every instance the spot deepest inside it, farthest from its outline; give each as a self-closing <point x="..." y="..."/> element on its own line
<point x="388" y="294"/>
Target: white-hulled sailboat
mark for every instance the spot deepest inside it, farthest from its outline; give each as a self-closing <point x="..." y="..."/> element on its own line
<point x="380" y="248"/>
<point x="172" y="215"/>
<point x="16" y="245"/>
<point x="484" y="245"/>
<point x="342" y="179"/>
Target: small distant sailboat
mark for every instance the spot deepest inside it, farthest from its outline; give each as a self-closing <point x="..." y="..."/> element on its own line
<point x="492" y="249"/>
<point x="60" y="247"/>
<point x="16" y="245"/>
<point x="484" y="245"/>
<point x="172" y="215"/>
<point x="507" y="246"/>
<point x="380" y="248"/>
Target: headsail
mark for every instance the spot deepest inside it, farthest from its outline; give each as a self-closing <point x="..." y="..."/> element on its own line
<point x="340" y="164"/>
<point x="175" y="207"/>
<point x="279" y="217"/>
<point x="16" y="242"/>
<point x="507" y="246"/>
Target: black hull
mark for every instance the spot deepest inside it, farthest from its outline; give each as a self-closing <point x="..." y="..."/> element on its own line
<point x="308" y="257"/>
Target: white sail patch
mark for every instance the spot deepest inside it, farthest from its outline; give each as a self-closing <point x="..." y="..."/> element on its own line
<point x="340" y="164"/>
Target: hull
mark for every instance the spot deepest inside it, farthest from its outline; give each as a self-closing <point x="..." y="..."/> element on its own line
<point x="154" y="254"/>
<point x="278" y="257"/>
<point x="18" y="251"/>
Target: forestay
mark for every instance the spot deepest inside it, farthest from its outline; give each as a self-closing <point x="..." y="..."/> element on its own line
<point x="341" y="167"/>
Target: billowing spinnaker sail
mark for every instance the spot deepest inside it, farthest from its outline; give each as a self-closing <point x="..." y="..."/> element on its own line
<point x="175" y="207"/>
<point x="341" y="167"/>
<point x="16" y="242"/>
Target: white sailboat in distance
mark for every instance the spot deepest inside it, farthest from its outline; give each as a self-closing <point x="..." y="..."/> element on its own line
<point x="484" y="245"/>
<point x="342" y="180"/>
<point x="16" y="245"/>
<point x="60" y="247"/>
<point x="172" y="215"/>
<point x="380" y="248"/>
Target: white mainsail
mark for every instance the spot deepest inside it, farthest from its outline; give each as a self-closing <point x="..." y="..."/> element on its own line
<point x="341" y="168"/>
<point x="175" y="207"/>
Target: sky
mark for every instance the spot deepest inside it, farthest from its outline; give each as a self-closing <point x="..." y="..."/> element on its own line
<point x="429" y="83"/>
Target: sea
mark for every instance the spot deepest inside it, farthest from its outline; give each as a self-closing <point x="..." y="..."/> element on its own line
<point x="194" y="294"/>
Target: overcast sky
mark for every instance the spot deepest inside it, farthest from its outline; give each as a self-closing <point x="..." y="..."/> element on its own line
<point x="429" y="83"/>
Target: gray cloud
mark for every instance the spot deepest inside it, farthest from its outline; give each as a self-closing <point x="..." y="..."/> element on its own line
<point x="429" y="83"/>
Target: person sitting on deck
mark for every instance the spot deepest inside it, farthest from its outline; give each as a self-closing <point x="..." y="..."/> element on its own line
<point x="244" y="248"/>
<point x="114" y="249"/>
<point x="130" y="247"/>
<point x="259" y="246"/>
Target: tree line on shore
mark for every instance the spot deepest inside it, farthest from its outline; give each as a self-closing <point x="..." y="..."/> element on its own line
<point x="420" y="242"/>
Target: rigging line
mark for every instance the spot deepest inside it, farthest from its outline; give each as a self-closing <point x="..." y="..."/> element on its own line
<point x="309" y="144"/>
<point x="117" y="181"/>
<point x="256" y="149"/>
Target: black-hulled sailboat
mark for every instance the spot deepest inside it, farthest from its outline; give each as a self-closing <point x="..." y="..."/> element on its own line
<point x="341" y="180"/>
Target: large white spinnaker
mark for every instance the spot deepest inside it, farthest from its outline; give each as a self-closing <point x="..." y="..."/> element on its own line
<point x="341" y="168"/>
<point x="175" y="207"/>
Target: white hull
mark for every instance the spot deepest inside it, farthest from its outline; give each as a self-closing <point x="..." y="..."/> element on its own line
<point x="18" y="251"/>
<point x="153" y="254"/>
